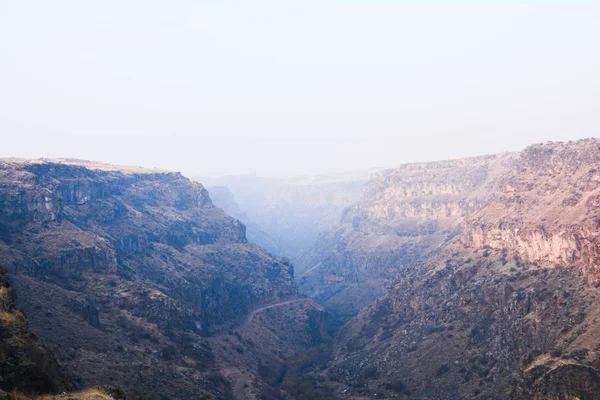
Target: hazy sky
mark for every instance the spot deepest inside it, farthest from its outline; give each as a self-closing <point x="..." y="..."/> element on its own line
<point x="294" y="87"/>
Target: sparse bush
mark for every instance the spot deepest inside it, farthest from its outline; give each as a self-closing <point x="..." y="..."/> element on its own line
<point x="326" y="339"/>
<point x="412" y="348"/>
<point x="397" y="386"/>
<point x="556" y="352"/>
<point x="272" y="373"/>
<point x="168" y="352"/>
<point x="443" y="369"/>
<point x="370" y="373"/>
<point x="217" y="379"/>
<point x="580" y="354"/>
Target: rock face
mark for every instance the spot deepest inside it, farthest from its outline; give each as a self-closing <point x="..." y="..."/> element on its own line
<point x="131" y="279"/>
<point x="286" y="216"/>
<point x="25" y="365"/>
<point x="403" y="216"/>
<point x="546" y="208"/>
<point x="507" y="308"/>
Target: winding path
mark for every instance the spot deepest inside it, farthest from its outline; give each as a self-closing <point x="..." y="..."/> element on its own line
<point x="252" y="313"/>
<point x="240" y="382"/>
<point x="239" y="377"/>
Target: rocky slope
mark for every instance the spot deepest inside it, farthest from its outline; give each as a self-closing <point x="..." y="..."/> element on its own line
<point x="286" y="216"/>
<point x="507" y="308"/>
<point x="25" y="365"/>
<point x="402" y="217"/>
<point x="135" y="279"/>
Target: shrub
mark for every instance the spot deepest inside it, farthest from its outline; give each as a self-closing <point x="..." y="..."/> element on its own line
<point x="370" y="372"/>
<point x="397" y="386"/>
<point x="442" y="370"/>
<point x="272" y="373"/>
<point x="168" y="352"/>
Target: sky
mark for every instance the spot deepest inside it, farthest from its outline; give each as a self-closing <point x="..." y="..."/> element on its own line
<point x="285" y="88"/>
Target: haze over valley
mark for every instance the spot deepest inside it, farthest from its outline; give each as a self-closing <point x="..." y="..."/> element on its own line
<point x="314" y="201"/>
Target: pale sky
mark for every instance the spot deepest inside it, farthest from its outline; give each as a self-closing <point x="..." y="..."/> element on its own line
<point x="286" y="88"/>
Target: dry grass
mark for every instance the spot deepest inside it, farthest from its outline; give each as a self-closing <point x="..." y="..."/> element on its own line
<point x="4" y="293"/>
<point x="89" y="394"/>
<point x="99" y="165"/>
<point x="126" y="169"/>
<point x="11" y="318"/>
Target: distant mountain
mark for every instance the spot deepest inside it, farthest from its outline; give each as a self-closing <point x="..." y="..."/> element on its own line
<point x="287" y="216"/>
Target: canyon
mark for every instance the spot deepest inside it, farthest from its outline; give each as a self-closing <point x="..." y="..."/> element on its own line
<point x="403" y="216"/>
<point x="474" y="278"/>
<point x="286" y="216"/>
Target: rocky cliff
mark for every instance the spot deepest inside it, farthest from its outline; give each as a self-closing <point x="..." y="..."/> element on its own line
<point x="546" y="208"/>
<point x="134" y="279"/>
<point x="402" y="217"/>
<point x="507" y="308"/>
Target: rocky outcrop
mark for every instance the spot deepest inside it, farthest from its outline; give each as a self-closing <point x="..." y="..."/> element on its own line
<point x="565" y="380"/>
<point x="546" y="208"/>
<point x="132" y="279"/>
<point x="403" y="216"/>
<point x="86" y="309"/>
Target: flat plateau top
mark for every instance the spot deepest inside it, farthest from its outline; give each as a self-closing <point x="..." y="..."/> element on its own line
<point x="127" y="169"/>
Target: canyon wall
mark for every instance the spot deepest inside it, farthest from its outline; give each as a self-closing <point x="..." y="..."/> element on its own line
<point x="135" y="279"/>
<point x="402" y="217"/>
<point x="506" y="307"/>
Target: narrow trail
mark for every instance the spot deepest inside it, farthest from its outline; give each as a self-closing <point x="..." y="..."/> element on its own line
<point x="240" y="382"/>
<point x="239" y="377"/>
<point x="252" y="313"/>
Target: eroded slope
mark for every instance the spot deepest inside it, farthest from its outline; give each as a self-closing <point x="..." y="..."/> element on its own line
<point x="507" y="309"/>
<point x="403" y="216"/>
<point x="132" y="279"/>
